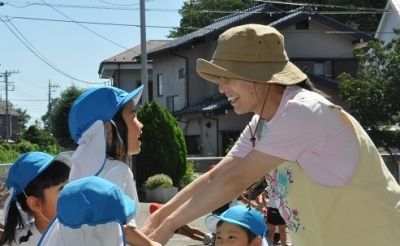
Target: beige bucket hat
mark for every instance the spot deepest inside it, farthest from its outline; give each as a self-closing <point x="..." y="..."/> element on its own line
<point x="251" y="52"/>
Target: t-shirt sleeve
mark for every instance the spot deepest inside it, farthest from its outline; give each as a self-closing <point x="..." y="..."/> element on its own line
<point x="243" y="145"/>
<point x="295" y="130"/>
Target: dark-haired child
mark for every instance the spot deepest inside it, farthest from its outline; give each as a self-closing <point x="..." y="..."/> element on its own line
<point x="238" y="226"/>
<point x="34" y="181"/>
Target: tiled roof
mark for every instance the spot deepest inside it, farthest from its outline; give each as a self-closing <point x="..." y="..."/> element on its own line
<point x="11" y="109"/>
<point x="213" y="29"/>
<point x="131" y="54"/>
<point x="220" y="102"/>
<point x="222" y="24"/>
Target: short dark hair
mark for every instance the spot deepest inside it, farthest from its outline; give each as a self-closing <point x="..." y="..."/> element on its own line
<point x="119" y="143"/>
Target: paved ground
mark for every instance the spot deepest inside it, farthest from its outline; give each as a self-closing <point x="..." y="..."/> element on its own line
<point x="176" y="240"/>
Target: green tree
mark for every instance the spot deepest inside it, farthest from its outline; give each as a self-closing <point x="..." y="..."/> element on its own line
<point x="23" y="118"/>
<point x="373" y="94"/>
<point x="42" y="137"/>
<point x="58" y="117"/>
<point x="199" y="13"/>
<point x="163" y="148"/>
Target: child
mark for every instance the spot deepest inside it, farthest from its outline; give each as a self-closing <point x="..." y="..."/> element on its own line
<point x="90" y="211"/>
<point x="238" y="226"/>
<point x="35" y="180"/>
<point x="104" y="124"/>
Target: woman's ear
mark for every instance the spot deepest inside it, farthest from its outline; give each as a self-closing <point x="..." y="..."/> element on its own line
<point x="34" y="204"/>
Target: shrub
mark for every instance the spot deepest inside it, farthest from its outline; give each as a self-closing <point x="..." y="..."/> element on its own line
<point x="162" y="142"/>
<point x="189" y="175"/>
<point x="158" y="181"/>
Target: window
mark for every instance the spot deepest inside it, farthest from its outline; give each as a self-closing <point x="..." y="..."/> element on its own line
<point x="328" y="69"/>
<point x="181" y="73"/>
<point x="159" y="85"/>
<point x="171" y="103"/>
<point x="193" y="144"/>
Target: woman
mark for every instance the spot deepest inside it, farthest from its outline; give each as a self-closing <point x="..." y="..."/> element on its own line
<point x="327" y="177"/>
<point x="104" y="124"/>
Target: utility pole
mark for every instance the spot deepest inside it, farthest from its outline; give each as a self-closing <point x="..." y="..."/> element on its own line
<point x="9" y="86"/>
<point x="143" y="52"/>
<point x="52" y="88"/>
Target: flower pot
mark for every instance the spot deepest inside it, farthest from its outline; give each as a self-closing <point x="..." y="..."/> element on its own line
<point x="160" y="195"/>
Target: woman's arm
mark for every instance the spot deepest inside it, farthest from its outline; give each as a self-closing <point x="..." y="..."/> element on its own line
<point x="216" y="190"/>
<point x="187" y="193"/>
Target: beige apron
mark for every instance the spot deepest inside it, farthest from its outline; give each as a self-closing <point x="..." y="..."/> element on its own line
<point x="364" y="212"/>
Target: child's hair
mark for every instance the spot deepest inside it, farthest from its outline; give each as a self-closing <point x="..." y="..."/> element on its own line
<point x="119" y="143"/>
<point x="53" y="175"/>
<point x="250" y="235"/>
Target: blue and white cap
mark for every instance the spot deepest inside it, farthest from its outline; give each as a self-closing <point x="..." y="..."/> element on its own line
<point x="240" y="215"/>
<point x="25" y="169"/>
<point x="90" y="211"/>
<point x="87" y="117"/>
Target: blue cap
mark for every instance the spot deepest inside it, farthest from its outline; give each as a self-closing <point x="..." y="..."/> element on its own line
<point x="26" y="168"/>
<point x="93" y="201"/>
<point x="240" y="215"/>
<point x="98" y="104"/>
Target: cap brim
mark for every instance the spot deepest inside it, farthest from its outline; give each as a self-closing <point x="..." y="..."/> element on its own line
<point x="212" y="220"/>
<point x="64" y="157"/>
<point x="285" y="73"/>
<point x="134" y="95"/>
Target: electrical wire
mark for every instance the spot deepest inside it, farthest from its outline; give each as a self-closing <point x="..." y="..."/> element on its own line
<point x="45" y="60"/>
<point x="85" y="27"/>
<point x="150" y="26"/>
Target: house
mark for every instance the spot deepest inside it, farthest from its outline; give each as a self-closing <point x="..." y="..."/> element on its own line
<point x="125" y="70"/>
<point x="319" y="45"/>
<point x="389" y="21"/>
<point x="14" y="128"/>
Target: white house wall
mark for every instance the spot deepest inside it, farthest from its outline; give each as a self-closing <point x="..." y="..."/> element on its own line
<point x="317" y="42"/>
<point x="168" y="66"/>
<point x="389" y="21"/>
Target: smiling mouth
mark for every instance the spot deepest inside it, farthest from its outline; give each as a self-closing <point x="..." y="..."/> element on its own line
<point x="232" y="99"/>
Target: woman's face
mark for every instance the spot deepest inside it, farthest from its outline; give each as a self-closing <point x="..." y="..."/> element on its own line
<point x="134" y="129"/>
<point x="243" y="95"/>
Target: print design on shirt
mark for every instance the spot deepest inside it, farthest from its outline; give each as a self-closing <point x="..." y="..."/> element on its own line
<point x="25" y="238"/>
<point x="277" y="189"/>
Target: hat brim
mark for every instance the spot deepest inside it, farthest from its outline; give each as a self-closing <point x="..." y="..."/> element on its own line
<point x="134" y="95"/>
<point x="212" y="220"/>
<point x="284" y="73"/>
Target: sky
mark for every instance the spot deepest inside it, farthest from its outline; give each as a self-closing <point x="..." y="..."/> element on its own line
<point x="75" y="50"/>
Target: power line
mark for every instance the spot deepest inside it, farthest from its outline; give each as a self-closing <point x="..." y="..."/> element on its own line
<point x="360" y="10"/>
<point x="45" y="60"/>
<point x="9" y="18"/>
<point x="83" y="26"/>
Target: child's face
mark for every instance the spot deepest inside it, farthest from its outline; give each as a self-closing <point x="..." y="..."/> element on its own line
<point x="49" y="202"/>
<point x="230" y="234"/>
<point x="134" y="128"/>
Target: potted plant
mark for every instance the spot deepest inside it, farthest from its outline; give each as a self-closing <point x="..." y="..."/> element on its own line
<point x="159" y="188"/>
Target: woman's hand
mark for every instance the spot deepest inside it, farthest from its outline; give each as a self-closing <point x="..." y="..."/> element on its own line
<point x="151" y="223"/>
<point x="162" y="234"/>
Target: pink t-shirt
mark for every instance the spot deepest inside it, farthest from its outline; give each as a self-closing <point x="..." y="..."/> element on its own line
<point x="307" y="131"/>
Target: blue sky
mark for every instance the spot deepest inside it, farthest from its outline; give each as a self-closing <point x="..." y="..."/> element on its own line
<point x="70" y="47"/>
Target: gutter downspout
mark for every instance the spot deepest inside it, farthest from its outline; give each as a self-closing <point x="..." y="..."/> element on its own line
<point x="186" y="76"/>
